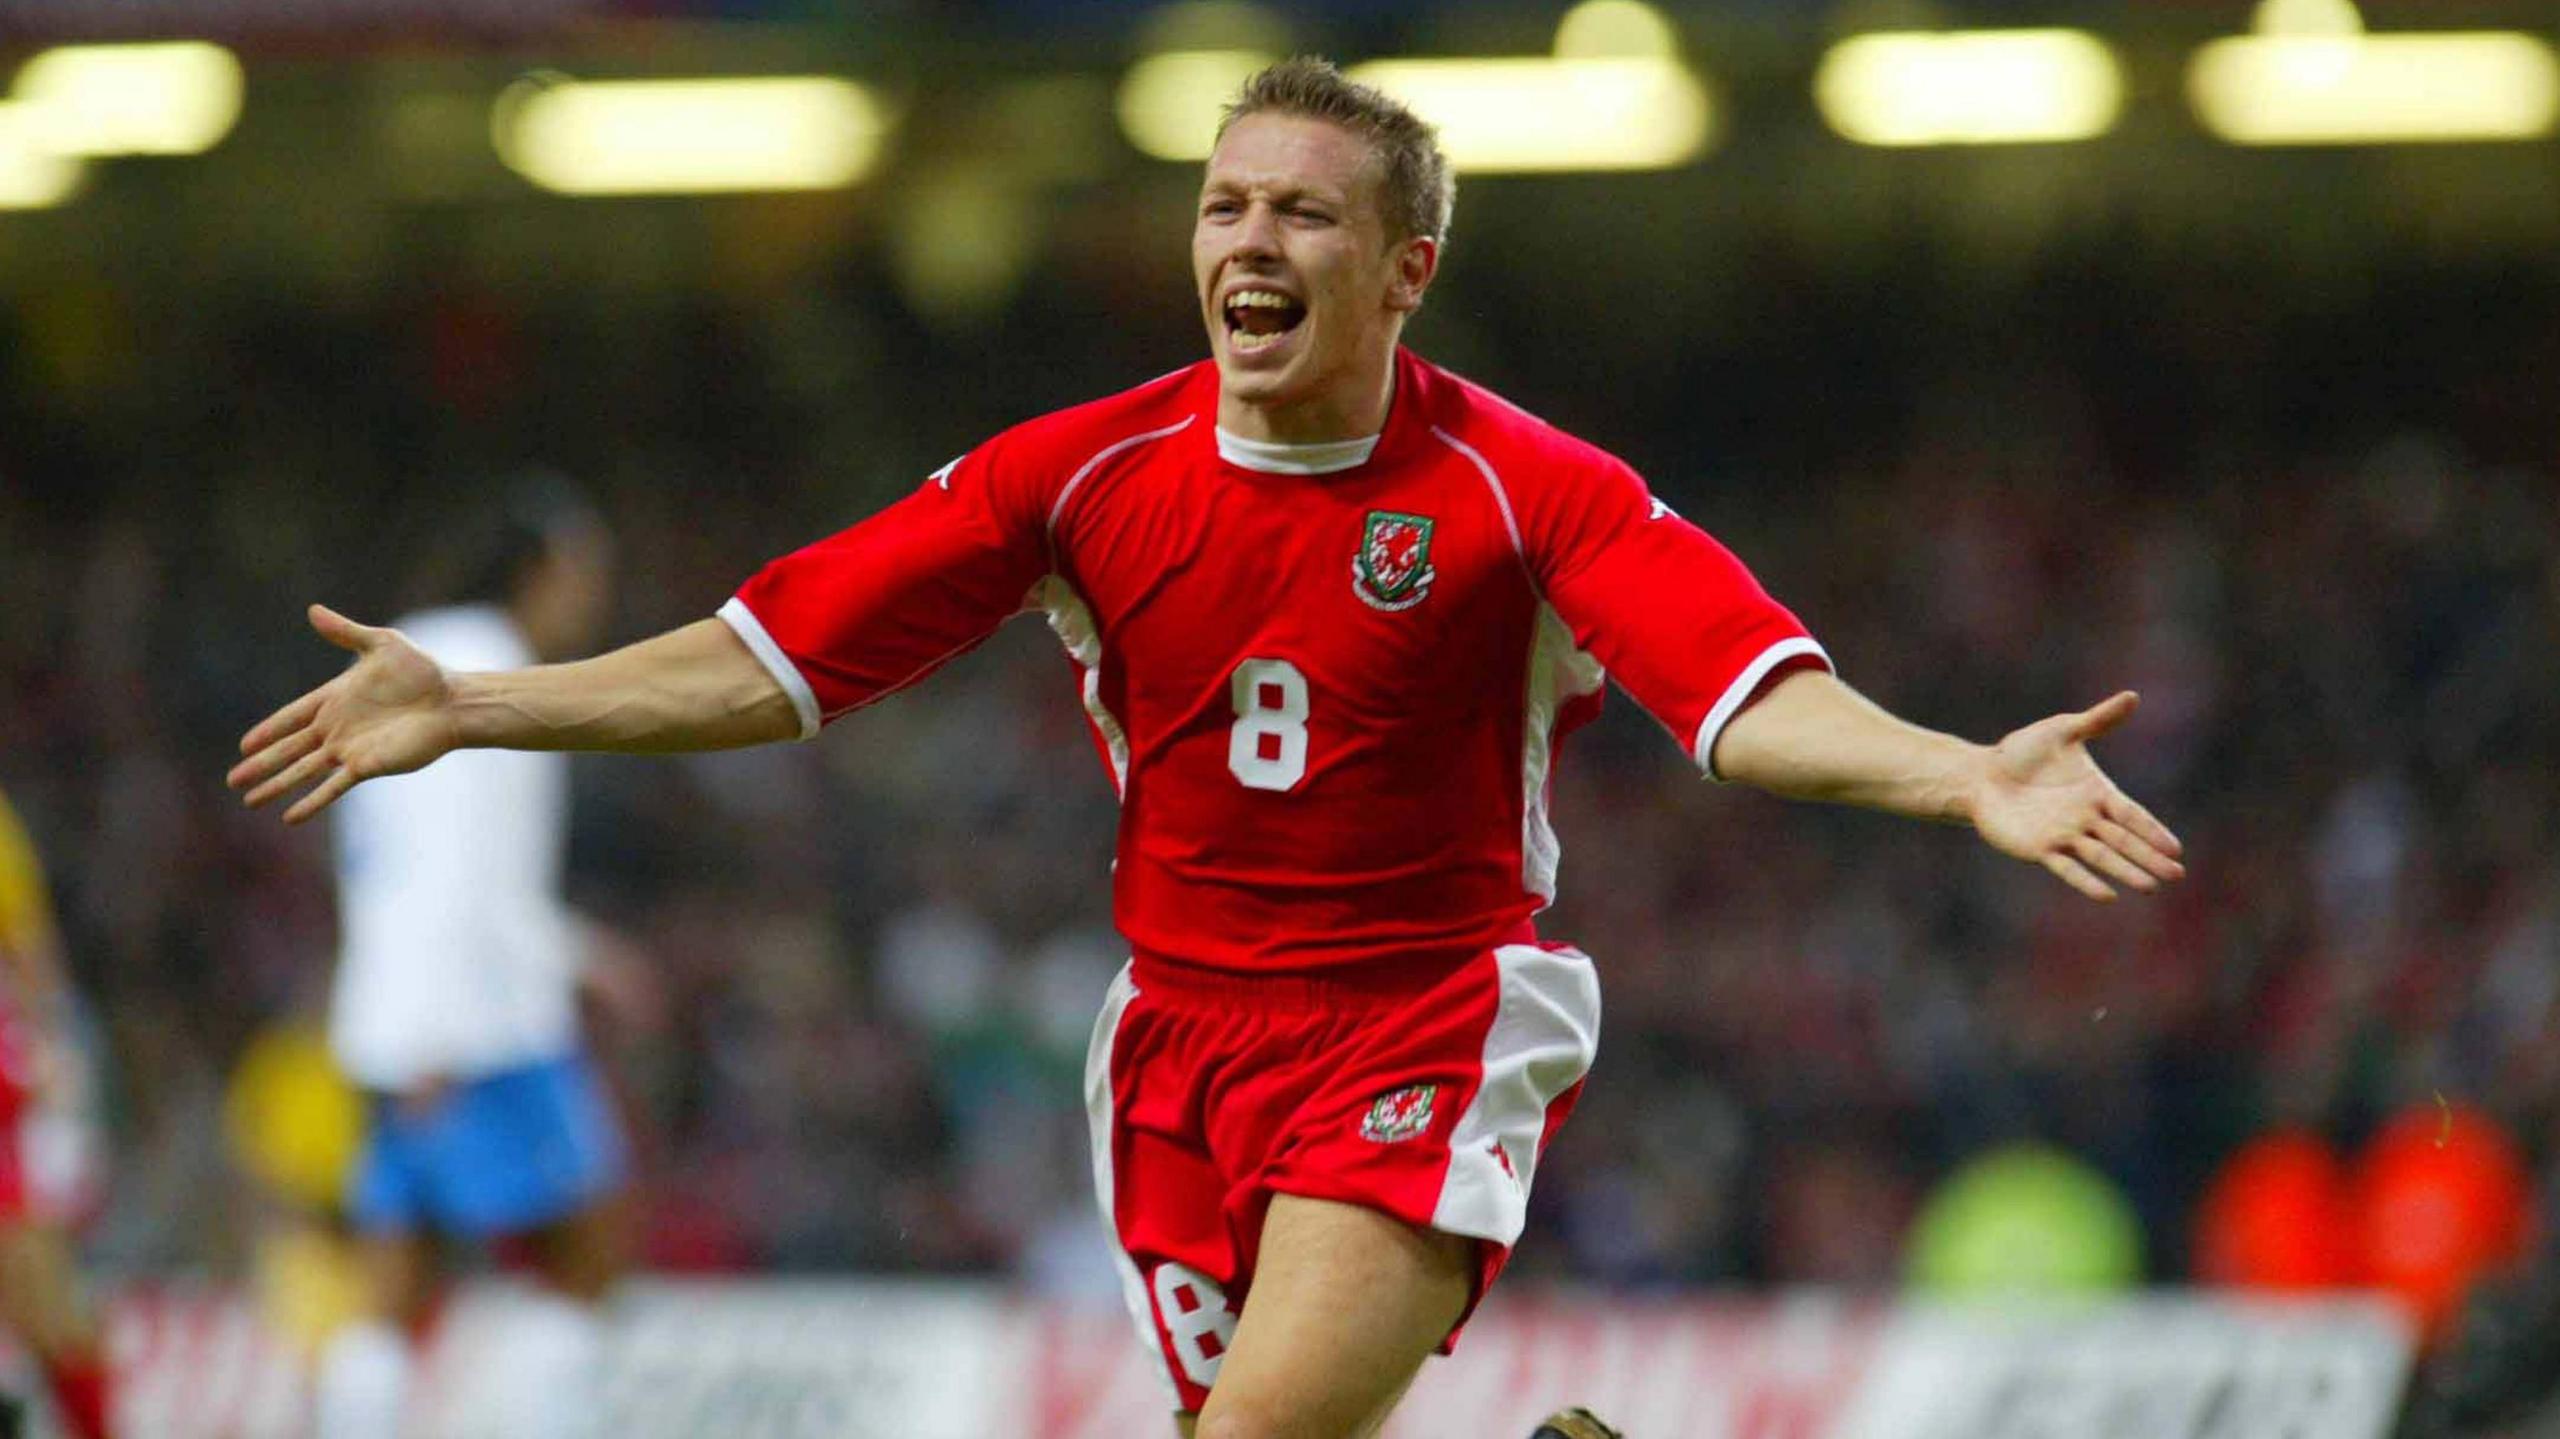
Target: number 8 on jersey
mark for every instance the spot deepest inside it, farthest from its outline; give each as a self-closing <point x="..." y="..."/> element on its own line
<point x="1267" y="747"/>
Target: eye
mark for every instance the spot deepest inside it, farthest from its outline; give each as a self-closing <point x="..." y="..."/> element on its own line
<point x="1309" y="215"/>
<point x="1220" y="209"/>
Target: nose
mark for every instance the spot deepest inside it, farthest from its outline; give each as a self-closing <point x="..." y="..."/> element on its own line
<point x="1257" y="234"/>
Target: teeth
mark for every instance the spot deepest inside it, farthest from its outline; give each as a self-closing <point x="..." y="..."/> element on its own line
<point x="1258" y="299"/>
<point x="1248" y="342"/>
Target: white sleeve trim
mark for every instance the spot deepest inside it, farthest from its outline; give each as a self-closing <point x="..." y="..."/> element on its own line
<point x="1106" y="452"/>
<point x="1712" y="728"/>
<point x="804" y="700"/>
<point x="1493" y="482"/>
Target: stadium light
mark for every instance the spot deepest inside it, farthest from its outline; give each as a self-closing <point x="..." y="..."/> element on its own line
<point x="704" y="136"/>
<point x="1170" y="103"/>
<point x="33" y="176"/>
<point x="1607" y="29"/>
<point x="1973" y="87"/>
<point x="2348" y="89"/>
<point x="1518" y="115"/>
<point x="2307" y="17"/>
<point x="176" y="97"/>
<point x="1615" y="97"/>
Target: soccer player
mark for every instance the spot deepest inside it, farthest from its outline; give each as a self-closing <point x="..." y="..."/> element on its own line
<point x="1331" y="608"/>
<point x="41" y="1170"/>
<point x="455" y="1006"/>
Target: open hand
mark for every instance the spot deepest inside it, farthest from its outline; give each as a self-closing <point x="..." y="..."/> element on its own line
<point x="2043" y="799"/>
<point x="389" y="713"/>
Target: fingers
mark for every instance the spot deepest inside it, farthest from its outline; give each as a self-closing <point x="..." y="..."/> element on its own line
<point x="2063" y="867"/>
<point x="345" y="633"/>
<point x="338" y="630"/>
<point x="303" y="771"/>
<point x="2096" y="856"/>
<point x="276" y="756"/>
<point x="2137" y="849"/>
<point x="2126" y="812"/>
<point x="283" y="722"/>
<point x="2104" y="716"/>
<point x="339" y="782"/>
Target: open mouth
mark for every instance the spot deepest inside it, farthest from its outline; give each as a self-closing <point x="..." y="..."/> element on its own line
<point x="1260" y="319"/>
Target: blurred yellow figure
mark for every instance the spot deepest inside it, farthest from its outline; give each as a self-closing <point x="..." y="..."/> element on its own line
<point x="296" y="1125"/>
<point x="294" y="1120"/>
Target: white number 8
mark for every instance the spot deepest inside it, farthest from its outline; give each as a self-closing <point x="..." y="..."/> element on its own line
<point x="1267" y="747"/>
<point x="1196" y="1318"/>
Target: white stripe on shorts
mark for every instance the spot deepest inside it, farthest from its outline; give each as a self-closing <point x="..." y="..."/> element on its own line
<point x="1098" y="1119"/>
<point x="1546" y="1029"/>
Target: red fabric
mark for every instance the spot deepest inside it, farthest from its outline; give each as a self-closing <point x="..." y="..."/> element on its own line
<point x="80" y="1396"/>
<point x="1226" y="1091"/>
<point x="1392" y="821"/>
<point x="19" y="1200"/>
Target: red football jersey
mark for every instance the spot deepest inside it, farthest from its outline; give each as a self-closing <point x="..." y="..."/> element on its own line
<point x="1329" y="682"/>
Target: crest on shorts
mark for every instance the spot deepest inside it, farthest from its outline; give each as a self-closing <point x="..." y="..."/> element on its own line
<point x="1398" y="1114"/>
<point x="1392" y="568"/>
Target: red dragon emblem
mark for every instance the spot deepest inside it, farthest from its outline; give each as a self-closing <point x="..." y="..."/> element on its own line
<point x="1399" y="1114"/>
<point x="1392" y="568"/>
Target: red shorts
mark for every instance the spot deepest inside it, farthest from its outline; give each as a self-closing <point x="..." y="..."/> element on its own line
<point x="1427" y="1096"/>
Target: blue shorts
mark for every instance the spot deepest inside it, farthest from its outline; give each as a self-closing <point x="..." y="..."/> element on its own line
<point x="497" y="1155"/>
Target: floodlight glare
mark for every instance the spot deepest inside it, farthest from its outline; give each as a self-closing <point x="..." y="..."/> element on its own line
<point x="1970" y="87"/>
<point x="1523" y="115"/>
<point x="1170" y="103"/>
<point x="2307" y="17"/>
<point x="33" y="176"/>
<point x="1597" y="29"/>
<point x="175" y="97"/>
<point x="2376" y="88"/>
<point x="664" y="137"/>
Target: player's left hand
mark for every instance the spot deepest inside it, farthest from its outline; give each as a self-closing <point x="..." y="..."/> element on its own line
<point x="2042" y="798"/>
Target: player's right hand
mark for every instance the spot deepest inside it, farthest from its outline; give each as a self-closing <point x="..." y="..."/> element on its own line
<point x="389" y="713"/>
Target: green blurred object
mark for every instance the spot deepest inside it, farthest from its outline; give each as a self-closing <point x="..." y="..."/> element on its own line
<point x="2026" y="1220"/>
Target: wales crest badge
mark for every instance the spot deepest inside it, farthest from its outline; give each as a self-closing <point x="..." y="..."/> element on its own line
<point x="1398" y="1115"/>
<point x="1392" y="568"/>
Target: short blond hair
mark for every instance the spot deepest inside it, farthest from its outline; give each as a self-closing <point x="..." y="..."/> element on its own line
<point x="1415" y="189"/>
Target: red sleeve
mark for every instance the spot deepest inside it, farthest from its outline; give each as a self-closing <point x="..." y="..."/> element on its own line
<point x="1670" y="612"/>
<point x="876" y="607"/>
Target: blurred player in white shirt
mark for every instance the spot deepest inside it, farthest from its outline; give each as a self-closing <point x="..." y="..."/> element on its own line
<point x="456" y="1007"/>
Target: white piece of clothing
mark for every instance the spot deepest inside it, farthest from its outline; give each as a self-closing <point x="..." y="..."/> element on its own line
<point x="456" y="957"/>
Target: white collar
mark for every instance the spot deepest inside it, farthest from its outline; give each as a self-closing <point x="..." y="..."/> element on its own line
<point x="1322" y="458"/>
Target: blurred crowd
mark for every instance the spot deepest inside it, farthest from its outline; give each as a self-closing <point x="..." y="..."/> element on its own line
<point x="2322" y="538"/>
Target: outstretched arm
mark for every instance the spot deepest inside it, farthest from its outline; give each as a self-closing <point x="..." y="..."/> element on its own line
<point x="395" y="710"/>
<point x="2036" y="795"/>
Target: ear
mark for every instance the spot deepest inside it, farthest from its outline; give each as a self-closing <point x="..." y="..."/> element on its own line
<point x="1416" y="260"/>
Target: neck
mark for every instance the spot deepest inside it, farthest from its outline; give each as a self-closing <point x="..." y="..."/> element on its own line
<point x="1352" y="408"/>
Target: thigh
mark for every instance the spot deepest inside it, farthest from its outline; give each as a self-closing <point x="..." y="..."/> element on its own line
<point x="583" y="1255"/>
<point x="1162" y="1197"/>
<point x="1346" y="1303"/>
<point x="399" y="1272"/>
